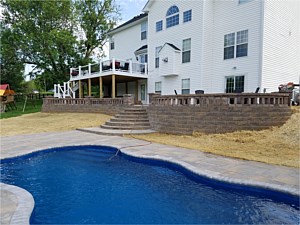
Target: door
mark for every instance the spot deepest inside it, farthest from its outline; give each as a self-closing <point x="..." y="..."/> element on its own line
<point x="143" y="93"/>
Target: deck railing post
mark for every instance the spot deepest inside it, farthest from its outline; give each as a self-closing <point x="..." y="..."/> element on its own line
<point x="113" y="64"/>
<point x="79" y="71"/>
<point x="90" y="69"/>
<point x="71" y="69"/>
<point x="130" y="66"/>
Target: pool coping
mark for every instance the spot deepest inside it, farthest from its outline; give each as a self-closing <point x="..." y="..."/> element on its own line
<point x="25" y="204"/>
<point x="24" y="210"/>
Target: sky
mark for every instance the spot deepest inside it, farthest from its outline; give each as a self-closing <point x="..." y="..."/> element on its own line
<point x="130" y="8"/>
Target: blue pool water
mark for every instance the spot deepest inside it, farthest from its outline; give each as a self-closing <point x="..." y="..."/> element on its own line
<point x="87" y="185"/>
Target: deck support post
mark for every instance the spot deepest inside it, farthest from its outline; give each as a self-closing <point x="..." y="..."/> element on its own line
<point x="80" y="89"/>
<point x="136" y="91"/>
<point x="113" y="88"/>
<point x="101" y="87"/>
<point x="90" y="87"/>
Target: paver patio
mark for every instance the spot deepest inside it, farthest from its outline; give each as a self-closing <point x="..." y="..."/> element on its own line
<point x="227" y="169"/>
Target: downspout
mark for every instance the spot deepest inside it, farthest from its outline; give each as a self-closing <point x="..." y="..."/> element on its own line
<point x="261" y="44"/>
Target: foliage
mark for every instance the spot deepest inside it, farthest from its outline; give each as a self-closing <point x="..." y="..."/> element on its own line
<point x="95" y="18"/>
<point x="32" y="106"/>
<point x="46" y="34"/>
<point x="11" y="67"/>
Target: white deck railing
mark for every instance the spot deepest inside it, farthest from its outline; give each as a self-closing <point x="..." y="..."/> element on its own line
<point x="111" y="66"/>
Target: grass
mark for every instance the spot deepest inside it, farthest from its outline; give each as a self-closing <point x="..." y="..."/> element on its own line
<point x="32" y="106"/>
<point x="278" y="145"/>
<point x="50" y="122"/>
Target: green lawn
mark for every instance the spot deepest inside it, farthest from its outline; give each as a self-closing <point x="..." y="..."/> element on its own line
<point x="32" y="106"/>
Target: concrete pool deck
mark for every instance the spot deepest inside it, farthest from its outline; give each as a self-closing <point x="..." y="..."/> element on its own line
<point x="273" y="177"/>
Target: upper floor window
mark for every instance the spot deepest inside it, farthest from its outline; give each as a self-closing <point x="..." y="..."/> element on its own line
<point x="157" y="49"/>
<point x="242" y="43"/>
<point x="236" y="44"/>
<point x="144" y="28"/>
<point x="159" y="26"/>
<point x="187" y="16"/>
<point x="229" y="40"/>
<point x="112" y="44"/>
<point x="186" y="50"/>
<point x="172" y="16"/>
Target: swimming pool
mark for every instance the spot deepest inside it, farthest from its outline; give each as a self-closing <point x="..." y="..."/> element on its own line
<point x="93" y="185"/>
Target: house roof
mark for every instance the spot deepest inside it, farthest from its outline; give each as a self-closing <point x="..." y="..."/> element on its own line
<point x="171" y="45"/>
<point x="130" y="22"/>
<point x="141" y="49"/>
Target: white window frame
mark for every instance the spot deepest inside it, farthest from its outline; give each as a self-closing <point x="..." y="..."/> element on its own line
<point x="144" y="29"/>
<point x="189" y="17"/>
<point x="156" y="26"/>
<point x="173" y="17"/>
<point x="157" y="49"/>
<point x="157" y="87"/>
<point x="185" y="87"/>
<point x="234" y="82"/>
<point x="240" y="38"/>
<point x="186" y="49"/>
<point x="112" y="44"/>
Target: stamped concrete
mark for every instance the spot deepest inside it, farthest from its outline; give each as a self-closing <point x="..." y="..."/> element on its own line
<point x="273" y="177"/>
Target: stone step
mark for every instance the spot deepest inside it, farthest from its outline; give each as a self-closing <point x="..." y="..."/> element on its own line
<point x="124" y="123"/>
<point x="126" y="119"/>
<point x="141" y="116"/>
<point x="125" y="127"/>
<point x="134" y="113"/>
<point x="135" y="110"/>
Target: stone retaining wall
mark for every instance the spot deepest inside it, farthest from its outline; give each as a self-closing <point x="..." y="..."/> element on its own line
<point x="215" y="119"/>
<point x="217" y="113"/>
<point x="185" y="114"/>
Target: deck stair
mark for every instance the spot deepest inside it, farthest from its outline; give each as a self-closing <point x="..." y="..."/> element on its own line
<point x="133" y="118"/>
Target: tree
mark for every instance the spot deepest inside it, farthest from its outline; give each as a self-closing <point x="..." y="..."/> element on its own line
<point x="45" y="33"/>
<point x="95" y="18"/>
<point x="11" y="68"/>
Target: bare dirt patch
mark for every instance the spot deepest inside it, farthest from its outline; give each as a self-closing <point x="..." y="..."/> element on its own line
<point x="48" y="122"/>
<point x="278" y="145"/>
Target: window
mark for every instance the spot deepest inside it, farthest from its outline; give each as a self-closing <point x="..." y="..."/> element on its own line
<point x="158" y="87"/>
<point x="144" y="31"/>
<point x="187" y="16"/>
<point x="172" y="16"/>
<point x="159" y="26"/>
<point x="242" y="43"/>
<point x="157" y="49"/>
<point x="186" y="50"/>
<point x="185" y="87"/>
<point x="112" y="44"/>
<point x="235" y="84"/>
<point x="229" y="46"/>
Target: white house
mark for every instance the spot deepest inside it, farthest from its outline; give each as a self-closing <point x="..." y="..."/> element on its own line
<point x="215" y="46"/>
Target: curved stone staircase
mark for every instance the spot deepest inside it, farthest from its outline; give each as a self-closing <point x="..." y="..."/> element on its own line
<point x="134" y="118"/>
